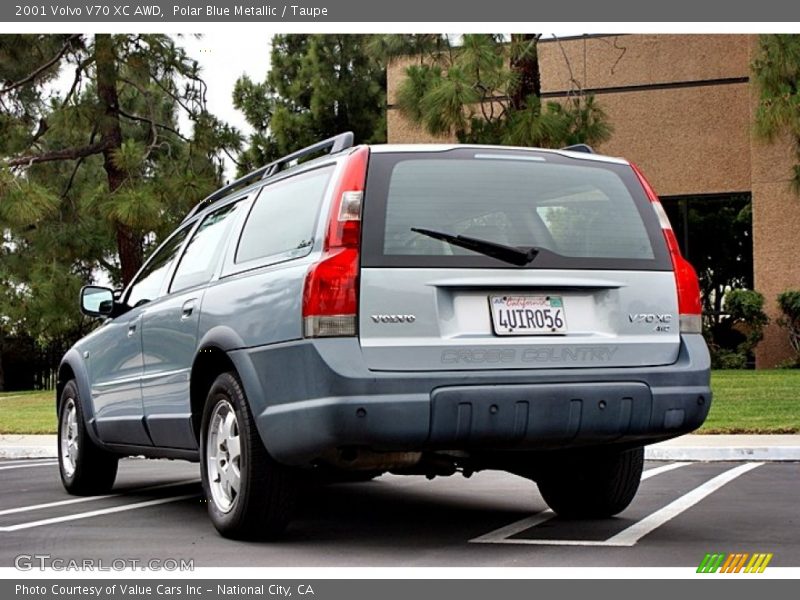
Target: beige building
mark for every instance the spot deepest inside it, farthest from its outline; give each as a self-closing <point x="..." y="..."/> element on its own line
<point x="682" y="109"/>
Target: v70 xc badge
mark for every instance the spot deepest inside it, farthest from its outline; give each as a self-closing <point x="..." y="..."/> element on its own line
<point x="661" y="320"/>
<point x="650" y="318"/>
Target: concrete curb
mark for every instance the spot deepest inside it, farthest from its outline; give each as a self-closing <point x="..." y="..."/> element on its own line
<point x="27" y="452"/>
<point x="706" y="448"/>
<point x="28" y="446"/>
<point x="731" y="453"/>
<point x="727" y="447"/>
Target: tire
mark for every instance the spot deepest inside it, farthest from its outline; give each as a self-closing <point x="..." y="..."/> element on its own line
<point x="592" y="486"/>
<point x="85" y="469"/>
<point x="249" y="495"/>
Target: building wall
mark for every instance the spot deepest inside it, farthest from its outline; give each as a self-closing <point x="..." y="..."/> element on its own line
<point x="776" y="233"/>
<point x="682" y="109"/>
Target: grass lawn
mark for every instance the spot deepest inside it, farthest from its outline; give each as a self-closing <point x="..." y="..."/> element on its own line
<point x="28" y="412"/>
<point x="754" y="402"/>
<point x="744" y="402"/>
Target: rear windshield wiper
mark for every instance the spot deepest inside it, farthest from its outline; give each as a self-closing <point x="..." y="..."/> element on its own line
<point x="509" y="254"/>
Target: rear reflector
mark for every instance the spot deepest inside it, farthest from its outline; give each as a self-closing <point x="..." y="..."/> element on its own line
<point x="690" y="307"/>
<point x="329" y="326"/>
<point x="330" y="295"/>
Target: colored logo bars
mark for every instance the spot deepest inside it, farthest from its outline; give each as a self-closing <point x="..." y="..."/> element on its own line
<point x="734" y="563"/>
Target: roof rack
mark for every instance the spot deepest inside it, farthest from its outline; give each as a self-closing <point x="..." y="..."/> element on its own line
<point x="337" y="143"/>
<point x="579" y="148"/>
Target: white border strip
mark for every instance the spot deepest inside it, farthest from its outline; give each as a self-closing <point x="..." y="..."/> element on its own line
<point x="266" y="29"/>
<point x="262" y="573"/>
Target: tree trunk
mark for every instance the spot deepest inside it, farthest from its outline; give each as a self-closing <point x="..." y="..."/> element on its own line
<point x="526" y="66"/>
<point x="129" y="244"/>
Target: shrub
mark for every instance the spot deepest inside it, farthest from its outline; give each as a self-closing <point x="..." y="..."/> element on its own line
<point x="737" y="335"/>
<point x="746" y="309"/>
<point x="725" y="359"/>
<point x="789" y="303"/>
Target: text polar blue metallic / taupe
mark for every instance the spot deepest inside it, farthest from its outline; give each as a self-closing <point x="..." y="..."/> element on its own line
<point x="603" y="14"/>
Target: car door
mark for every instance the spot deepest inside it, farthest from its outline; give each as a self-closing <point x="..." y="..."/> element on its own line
<point x="169" y="333"/>
<point x="114" y="354"/>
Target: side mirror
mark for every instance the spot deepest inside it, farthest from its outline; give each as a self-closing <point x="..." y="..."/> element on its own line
<point x="97" y="301"/>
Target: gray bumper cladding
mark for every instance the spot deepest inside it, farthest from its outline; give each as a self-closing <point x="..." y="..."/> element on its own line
<point x="541" y="415"/>
<point x="343" y="404"/>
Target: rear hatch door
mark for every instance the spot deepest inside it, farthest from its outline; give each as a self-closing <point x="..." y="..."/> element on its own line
<point x="560" y="262"/>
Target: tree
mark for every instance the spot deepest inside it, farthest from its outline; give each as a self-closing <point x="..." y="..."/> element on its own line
<point x="318" y="86"/>
<point x="94" y="175"/>
<point x="122" y="106"/>
<point x="488" y="90"/>
<point x="776" y="71"/>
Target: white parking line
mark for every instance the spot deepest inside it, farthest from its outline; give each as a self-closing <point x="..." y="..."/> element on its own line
<point x="630" y="536"/>
<point x="28" y="466"/>
<point x="662" y="469"/>
<point x="20" y="509"/>
<point x="27" y="461"/>
<point x="499" y="536"/>
<point x="97" y="513"/>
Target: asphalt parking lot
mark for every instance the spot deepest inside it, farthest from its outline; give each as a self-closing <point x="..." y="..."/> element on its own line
<point x="683" y="510"/>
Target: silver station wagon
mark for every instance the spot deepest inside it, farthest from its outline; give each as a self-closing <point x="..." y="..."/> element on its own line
<point x="348" y="311"/>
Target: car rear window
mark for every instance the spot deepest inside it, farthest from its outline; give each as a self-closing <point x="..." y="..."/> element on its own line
<point x="578" y="213"/>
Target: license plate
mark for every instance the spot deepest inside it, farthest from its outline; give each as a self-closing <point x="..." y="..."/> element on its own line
<point x="528" y="315"/>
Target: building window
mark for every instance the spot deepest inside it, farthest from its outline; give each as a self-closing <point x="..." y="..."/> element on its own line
<point x="715" y="233"/>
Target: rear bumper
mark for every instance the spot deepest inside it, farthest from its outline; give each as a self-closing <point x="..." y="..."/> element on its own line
<point x="311" y="397"/>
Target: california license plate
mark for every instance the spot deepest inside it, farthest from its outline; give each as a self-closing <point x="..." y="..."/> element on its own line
<point x="528" y="315"/>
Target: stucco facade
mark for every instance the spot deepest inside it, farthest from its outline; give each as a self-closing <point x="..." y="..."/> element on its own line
<point x="682" y="109"/>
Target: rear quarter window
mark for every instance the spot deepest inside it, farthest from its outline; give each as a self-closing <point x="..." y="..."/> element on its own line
<point x="282" y="219"/>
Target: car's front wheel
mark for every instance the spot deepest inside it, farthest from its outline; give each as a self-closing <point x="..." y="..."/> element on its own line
<point x="592" y="485"/>
<point x="249" y="495"/>
<point x="85" y="469"/>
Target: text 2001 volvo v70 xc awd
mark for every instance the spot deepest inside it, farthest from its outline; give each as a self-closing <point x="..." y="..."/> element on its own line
<point x="412" y="309"/>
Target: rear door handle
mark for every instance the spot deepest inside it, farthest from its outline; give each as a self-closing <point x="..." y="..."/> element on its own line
<point x="188" y="308"/>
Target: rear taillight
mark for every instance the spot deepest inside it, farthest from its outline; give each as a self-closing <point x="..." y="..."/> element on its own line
<point x="690" y="307"/>
<point x="330" y="296"/>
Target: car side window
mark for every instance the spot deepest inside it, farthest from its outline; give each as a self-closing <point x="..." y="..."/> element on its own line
<point x="202" y="252"/>
<point x="283" y="217"/>
<point x="148" y="284"/>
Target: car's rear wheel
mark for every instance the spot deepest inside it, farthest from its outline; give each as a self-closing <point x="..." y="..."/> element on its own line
<point x="592" y="485"/>
<point x="85" y="469"/>
<point x="249" y="495"/>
